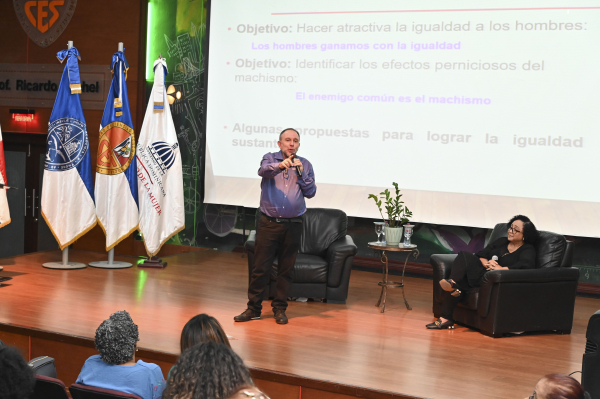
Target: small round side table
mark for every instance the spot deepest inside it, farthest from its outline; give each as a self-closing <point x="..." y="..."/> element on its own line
<point x="383" y="247"/>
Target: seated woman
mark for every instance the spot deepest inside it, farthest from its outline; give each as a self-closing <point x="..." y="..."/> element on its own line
<point x="208" y="370"/>
<point x="513" y="252"/>
<point x="201" y="328"/>
<point x="115" y="367"/>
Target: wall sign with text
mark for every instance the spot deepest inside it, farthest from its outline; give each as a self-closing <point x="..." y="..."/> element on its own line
<point x="44" y="20"/>
<point x="35" y="85"/>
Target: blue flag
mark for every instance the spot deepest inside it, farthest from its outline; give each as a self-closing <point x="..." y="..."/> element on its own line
<point x="116" y="170"/>
<point x="67" y="190"/>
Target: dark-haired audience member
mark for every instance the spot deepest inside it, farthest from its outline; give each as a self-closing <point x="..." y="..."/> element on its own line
<point x="201" y="328"/>
<point x="115" y="367"/>
<point x="513" y="252"/>
<point x="208" y="370"/>
<point x="16" y="377"/>
<point x="558" y="386"/>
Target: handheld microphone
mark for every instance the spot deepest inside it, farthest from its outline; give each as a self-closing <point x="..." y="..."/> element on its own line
<point x="494" y="258"/>
<point x="297" y="169"/>
<point x="4" y="186"/>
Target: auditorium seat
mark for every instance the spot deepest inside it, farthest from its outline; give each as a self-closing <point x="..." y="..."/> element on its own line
<point x="508" y="301"/>
<point x="324" y="261"/>
<point x="80" y="391"/>
<point x="49" y="388"/>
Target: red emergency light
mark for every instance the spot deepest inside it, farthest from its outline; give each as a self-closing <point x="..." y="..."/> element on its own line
<point x="23" y="115"/>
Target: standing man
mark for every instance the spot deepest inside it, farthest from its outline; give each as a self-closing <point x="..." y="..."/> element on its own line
<point x="286" y="180"/>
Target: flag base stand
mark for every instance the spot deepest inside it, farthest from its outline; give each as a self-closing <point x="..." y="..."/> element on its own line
<point x="110" y="264"/>
<point x="154" y="262"/>
<point x="65" y="264"/>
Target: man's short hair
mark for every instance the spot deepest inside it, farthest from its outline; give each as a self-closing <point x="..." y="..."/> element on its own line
<point x="285" y="130"/>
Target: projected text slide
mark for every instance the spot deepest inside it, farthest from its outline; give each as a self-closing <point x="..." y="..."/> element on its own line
<point x="494" y="98"/>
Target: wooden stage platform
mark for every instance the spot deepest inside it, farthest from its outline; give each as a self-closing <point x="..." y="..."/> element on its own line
<point x="326" y="351"/>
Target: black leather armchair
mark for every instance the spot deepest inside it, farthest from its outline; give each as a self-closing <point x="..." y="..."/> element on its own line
<point x="540" y="299"/>
<point x="324" y="261"/>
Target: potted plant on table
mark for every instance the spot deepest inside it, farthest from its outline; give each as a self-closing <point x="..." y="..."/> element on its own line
<point x="397" y="214"/>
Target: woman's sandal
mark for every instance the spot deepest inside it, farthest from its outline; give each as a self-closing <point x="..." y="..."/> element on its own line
<point x="440" y="325"/>
<point x="450" y="286"/>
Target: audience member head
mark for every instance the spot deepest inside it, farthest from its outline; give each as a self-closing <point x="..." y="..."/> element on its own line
<point x="202" y="328"/>
<point x="16" y="377"/>
<point x="208" y="370"/>
<point x="530" y="233"/>
<point x="116" y="338"/>
<point x="558" y="386"/>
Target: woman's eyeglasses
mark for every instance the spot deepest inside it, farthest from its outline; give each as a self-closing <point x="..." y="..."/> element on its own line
<point x="534" y="396"/>
<point x="515" y="231"/>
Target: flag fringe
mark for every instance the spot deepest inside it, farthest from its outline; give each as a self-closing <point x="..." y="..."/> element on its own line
<point x="74" y="239"/>
<point x="118" y="240"/>
<point x="162" y="243"/>
<point x="5" y="223"/>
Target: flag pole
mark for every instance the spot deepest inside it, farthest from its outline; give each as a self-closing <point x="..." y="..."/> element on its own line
<point x="65" y="264"/>
<point x="111" y="264"/>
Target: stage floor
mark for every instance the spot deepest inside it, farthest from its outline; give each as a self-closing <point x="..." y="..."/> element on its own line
<point x="352" y="344"/>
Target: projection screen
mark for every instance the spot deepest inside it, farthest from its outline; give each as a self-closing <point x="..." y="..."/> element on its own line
<point x="479" y="110"/>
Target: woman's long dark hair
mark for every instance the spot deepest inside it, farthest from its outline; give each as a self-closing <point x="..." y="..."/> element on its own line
<point x="530" y="232"/>
<point x="202" y="328"/>
<point x="208" y="370"/>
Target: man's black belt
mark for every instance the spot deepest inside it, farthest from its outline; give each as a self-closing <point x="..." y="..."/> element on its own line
<point x="284" y="220"/>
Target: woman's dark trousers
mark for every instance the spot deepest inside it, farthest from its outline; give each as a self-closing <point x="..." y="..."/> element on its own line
<point x="467" y="272"/>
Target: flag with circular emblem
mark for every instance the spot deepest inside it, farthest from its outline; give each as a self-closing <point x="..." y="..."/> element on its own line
<point x="68" y="187"/>
<point x="116" y="167"/>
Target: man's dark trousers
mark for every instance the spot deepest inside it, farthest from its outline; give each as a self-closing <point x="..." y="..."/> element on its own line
<point x="273" y="239"/>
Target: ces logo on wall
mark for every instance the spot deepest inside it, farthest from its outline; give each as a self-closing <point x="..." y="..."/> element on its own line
<point x="44" y="20"/>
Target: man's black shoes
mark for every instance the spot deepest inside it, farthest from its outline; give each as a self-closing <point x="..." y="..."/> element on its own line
<point x="280" y="317"/>
<point x="248" y="315"/>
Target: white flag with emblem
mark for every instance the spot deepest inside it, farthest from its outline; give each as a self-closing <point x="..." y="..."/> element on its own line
<point x="160" y="177"/>
<point x="4" y="214"/>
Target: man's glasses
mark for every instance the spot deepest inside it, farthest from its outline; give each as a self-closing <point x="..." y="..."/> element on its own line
<point x="534" y="396"/>
<point x="515" y="231"/>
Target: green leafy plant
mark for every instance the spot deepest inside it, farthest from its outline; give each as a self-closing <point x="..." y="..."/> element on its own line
<point x="398" y="214"/>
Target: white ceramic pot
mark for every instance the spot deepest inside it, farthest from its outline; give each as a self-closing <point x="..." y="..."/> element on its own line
<point x="393" y="235"/>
